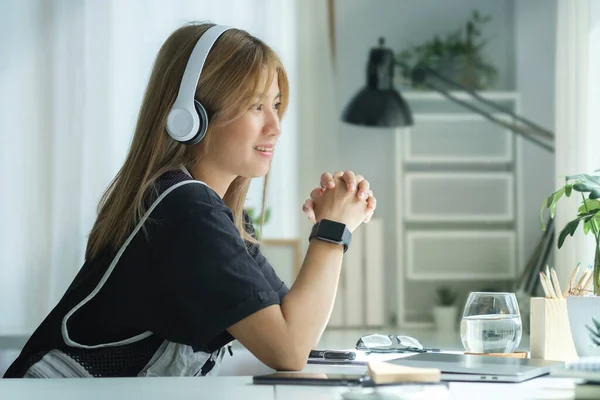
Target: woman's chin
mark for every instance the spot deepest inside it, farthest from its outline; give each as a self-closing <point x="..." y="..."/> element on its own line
<point x="254" y="172"/>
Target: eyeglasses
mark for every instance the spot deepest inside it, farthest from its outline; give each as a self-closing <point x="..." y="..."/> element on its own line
<point x="378" y="343"/>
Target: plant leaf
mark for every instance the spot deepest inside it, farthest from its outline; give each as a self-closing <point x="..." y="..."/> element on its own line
<point x="542" y="223"/>
<point x="568" y="230"/>
<point x="568" y="189"/>
<point x="578" y="177"/>
<point x="582" y="187"/>
<point x="589" y="204"/>
<point x="571" y="227"/>
<point x="588" y="214"/>
<point x="597" y="325"/>
<point x="594" y="336"/>
<point x="596" y="225"/>
<point x="550" y="203"/>
<point x="589" y="217"/>
<point x="587" y="183"/>
<point x="591" y="178"/>
<point x="557" y="196"/>
<point x="550" y="199"/>
<point x="587" y="227"/>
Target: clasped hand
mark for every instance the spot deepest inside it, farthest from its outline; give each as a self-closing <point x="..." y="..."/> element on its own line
<point x="344" y="197"/>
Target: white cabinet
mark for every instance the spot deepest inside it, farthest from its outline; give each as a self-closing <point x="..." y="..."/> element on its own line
<point x="458" y="203"/>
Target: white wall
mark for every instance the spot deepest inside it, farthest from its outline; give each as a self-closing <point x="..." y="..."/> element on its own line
<point x="521" y="47"/>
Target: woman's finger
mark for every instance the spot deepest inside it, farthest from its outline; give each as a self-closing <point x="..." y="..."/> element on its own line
<point x="371" y="203"/>
<point x="316" y="193"/>
<point x="364" y="187"/>
<point x="327" y="181"/>
<point x="350" y="178"/>
<point x="309" y="209"/>
<point x="370" y="209"/>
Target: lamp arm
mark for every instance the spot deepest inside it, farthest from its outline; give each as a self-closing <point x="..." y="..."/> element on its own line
<point x="420" y="75"/>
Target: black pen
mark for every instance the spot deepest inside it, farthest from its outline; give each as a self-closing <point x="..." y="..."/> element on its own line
<point x="332" y="354"/>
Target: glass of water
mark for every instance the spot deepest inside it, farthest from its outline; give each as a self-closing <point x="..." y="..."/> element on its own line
<point x="491" y="323"/>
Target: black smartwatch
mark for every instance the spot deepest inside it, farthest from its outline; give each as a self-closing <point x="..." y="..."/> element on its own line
<point x="331" y="231"/>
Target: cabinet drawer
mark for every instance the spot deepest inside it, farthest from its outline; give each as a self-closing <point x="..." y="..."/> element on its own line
<point x="459" y="197"/>
<point x="457" y="139"/>
<point x="465" y="255"/>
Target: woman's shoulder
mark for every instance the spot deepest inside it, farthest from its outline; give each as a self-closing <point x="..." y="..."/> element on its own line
<point x="176" y="193"/>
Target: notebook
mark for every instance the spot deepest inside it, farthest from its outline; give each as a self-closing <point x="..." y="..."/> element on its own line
<point x="587" y="368"/>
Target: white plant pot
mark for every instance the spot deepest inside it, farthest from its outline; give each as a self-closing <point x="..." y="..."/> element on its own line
<point x="444" y="318"/>
<point x="581" y="310"/>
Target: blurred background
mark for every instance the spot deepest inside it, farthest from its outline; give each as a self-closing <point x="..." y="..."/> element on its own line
<point x="458" y="196"/>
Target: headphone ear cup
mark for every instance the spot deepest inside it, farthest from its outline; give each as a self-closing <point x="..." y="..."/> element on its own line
<point x="203" y="123"/>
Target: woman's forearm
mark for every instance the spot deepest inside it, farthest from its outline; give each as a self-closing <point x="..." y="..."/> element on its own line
<point x="308" y="305"/>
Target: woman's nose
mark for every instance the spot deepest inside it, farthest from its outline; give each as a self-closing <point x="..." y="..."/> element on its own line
<point x="272" y="125"/>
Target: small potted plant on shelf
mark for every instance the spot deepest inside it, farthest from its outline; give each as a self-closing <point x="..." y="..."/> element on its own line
<point x="445" y="310"/>
<point x="583" y="303"/>
<point x="459" y="56"/>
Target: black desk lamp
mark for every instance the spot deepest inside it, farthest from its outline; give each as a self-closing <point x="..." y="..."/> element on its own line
<point x="378" y="104"/>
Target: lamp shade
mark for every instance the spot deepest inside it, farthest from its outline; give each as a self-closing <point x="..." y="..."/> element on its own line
<point x="378" y="103"/>
<point x="372" y="107"/>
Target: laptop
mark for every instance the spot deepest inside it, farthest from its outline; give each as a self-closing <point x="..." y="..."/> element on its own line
<point x="471" y="368"/>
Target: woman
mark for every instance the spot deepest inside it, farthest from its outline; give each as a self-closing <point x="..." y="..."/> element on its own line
<point x="173" y="271"/>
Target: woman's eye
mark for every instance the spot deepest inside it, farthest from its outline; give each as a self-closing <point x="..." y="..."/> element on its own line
<point x="276" y="106"/>
<point x="257" y="107"/>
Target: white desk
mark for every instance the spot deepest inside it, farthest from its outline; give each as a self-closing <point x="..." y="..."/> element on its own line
<point x="240" y="387"/>
<point x="538" y="389"/>
<point x="135" y="388"/>
<point x="216" y="388"/>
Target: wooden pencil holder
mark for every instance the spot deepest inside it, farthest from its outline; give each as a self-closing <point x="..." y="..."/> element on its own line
<point x="550" y="333"/>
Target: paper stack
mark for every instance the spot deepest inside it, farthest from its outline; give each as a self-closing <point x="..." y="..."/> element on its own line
<point x="382" y="372"/>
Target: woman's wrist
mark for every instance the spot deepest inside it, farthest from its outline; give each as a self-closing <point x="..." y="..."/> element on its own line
<point x="322" y="244"/>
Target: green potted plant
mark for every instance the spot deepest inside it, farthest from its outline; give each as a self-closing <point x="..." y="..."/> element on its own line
<point x="458" y="56"/>
<point x="445" y="311"/>
<point x="256" y="219"/>
<point x="581" y="305"/>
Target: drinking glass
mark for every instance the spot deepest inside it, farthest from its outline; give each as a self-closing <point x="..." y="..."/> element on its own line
<point x="491" y="323"/>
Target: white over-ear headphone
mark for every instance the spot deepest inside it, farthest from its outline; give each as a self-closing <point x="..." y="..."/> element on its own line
<point x="187" y="121"/>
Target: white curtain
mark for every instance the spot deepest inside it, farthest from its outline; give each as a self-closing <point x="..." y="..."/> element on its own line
<point x="577" y="117"/>
<point x="72" y="76"/>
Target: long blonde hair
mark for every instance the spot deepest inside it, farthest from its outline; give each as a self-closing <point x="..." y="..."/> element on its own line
<point x="230" y="79"/>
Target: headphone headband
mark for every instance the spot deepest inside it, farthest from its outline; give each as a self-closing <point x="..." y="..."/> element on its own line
<point x="183" y="122"/>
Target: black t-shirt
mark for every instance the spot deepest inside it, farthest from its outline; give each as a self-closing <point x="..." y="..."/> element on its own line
<point x="186" y="278"/>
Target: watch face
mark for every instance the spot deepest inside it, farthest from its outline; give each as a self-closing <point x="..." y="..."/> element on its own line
<point x="331" y="230"/>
